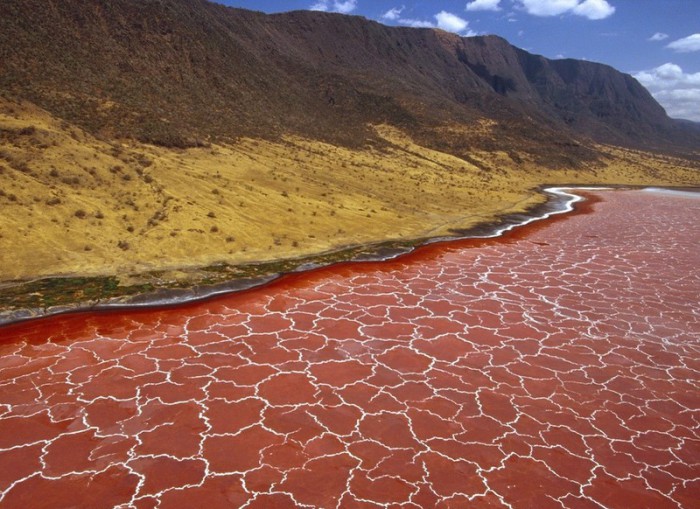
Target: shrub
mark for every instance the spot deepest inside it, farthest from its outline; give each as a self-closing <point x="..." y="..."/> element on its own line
<point x="144" y="161"/>
<point x="27" y="131"/>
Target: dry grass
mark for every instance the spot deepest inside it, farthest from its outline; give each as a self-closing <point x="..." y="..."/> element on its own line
<point x="73" y="204"/>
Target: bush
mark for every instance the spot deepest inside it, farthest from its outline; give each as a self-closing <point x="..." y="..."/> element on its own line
<point x="27" y="131"/>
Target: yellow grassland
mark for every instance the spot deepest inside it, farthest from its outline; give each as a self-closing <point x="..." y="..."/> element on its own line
<point x="72" y="204"/>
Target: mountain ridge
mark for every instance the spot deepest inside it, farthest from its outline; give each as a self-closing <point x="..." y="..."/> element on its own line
<point x="182" y="73"/>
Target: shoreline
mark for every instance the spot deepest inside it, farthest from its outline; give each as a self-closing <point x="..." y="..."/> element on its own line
<point x="561" y="200"/>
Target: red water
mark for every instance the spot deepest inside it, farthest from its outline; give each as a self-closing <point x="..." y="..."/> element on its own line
<point x="559" y="367"/>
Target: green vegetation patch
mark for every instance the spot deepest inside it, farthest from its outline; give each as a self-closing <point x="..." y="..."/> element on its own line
<point x="65" y="291"/>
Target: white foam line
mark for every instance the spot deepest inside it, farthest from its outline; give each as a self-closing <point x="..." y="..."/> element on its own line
<point x="672" y="192"/>
<point x="557" y="191"/>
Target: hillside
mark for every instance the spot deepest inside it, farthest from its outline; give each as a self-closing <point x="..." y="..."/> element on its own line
<point x="184" y="72"/>
<point x="147" y="140"/>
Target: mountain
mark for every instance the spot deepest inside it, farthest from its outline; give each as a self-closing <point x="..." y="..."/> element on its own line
<point x="690" y="124"/>
<point x="186" y="72"/>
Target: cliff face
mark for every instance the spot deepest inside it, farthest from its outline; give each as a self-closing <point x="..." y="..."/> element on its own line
<point x="177" y="72"/>
<point x="589" y="98"/>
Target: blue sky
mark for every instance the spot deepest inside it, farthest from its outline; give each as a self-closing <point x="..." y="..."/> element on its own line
<point x="657" y="41"/>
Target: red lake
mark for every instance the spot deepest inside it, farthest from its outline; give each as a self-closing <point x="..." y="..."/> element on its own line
<point x="556" y="366"/>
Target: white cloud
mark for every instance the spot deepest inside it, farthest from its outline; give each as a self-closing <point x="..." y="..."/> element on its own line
<point x="687" y="44"/>
<point x="594" y="9"/>
<point x="345" y="7"/>
<point x="443" y="20"/>
<point x="591" y="9"/>
<point x="320" y="6"/>
<point x="416" y="23"/>
<point x="678" y="92"/>
<point x="483" y="5"/>
<point x="548" y="7"/>
<point x="451" y="22"/>
<point x="393" y="14"/>
<point x="342" y="6"/>
<point x="658" y="36"/>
